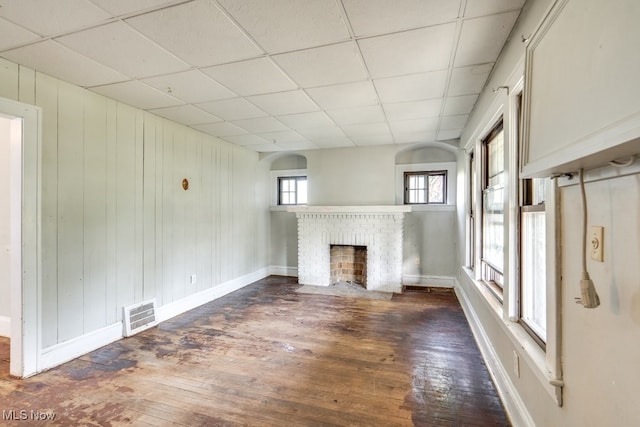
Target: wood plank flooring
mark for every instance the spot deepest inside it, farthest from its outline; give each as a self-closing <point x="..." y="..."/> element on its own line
<point x="268" y="356"/>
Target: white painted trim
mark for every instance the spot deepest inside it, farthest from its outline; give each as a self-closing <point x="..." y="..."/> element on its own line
<point x="450" y="167"/>
<point x="192" y="301"/>
<point x="282" y="270"/>
<point x="76" y="347"/>
<point x="275" y="174"/>
<point x="428" y="281"/>
<point x="513" y="403"/>
<point x="5" y="326"/>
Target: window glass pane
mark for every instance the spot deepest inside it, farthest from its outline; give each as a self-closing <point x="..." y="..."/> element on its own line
<point x="533" y="281"/>
<point x="495" y="159"/>
<point x="493" y="228"/>
<point x="420" y="184"/>
<point x="285" y="184"/>
<point x="436" y="189"/>
<point x="538" y="185"/>
<point x="302" y="191"/>
<point x="421" y="198"/>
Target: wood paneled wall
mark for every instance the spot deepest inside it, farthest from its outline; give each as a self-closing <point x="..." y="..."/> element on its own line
<point x="117" y="227"/>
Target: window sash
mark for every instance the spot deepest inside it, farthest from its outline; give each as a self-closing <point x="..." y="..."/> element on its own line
<point x="292" y="190"/>
<point x="533" y="272"/>
<point x="425" y="187"/>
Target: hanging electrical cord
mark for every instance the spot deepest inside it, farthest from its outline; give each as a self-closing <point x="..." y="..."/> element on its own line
<point x="620" y="164"/>
<point x="590" y="298"/>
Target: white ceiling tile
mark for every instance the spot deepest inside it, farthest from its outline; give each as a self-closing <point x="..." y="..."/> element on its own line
<point x="468" y="80"/>
<point x="323" y="66"/>
<point x="482" y="39"/>
<point x="58" y="61"/>
<point x="413" y="109"/>
<point x="13" y="35"/>
<point x="50" y="18"/>
<point x="125" y="7"/>
<point x="360" y="131"/>
<point x="413" y="87"/>
<point x="358" y="115"/>
<point x="186" y="114"/>
<point x="198" y="32"/>
<point x="288" y="136"/>
<point x="416" y="51"/>
<point x="261" y="125"/>
<point x="334" y="143"/>
<point x="407" y="138"/>
<point x="381" y="139"/>
<point x="233" y="109"/>
<point x="137" y="94"/>
<point x="327" y="133"/>
<point x="459" y="105"/>
<point x="252" y="77"/>
<point x="222" y="129"/>
<point x="488" y="7"/>
<point x="126" y="51"/>
<point x="445" y="135"/>
<point x="190" y="86"/>
<point x="344" y="95"/>
<point x="286" y="25"/>
<point x="371" y="17"/>
<point x="315" y="119"/>
<point x="264" y="148"/>
<point x="297" y="145"/>
<point x="414" y="126"/>
<point x="453" y="122"/>
<point x="282" y="103"/>
<point x="249" y="139"/>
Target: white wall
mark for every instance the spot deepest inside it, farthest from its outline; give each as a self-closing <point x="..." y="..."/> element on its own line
<point x="5" y="218"/>
<point x="601" y="346"/>
<point x="117" y="227"/>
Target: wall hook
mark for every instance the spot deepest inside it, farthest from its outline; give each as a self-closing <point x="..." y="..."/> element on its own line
<point x="525" y="39"/>
<point x="496" y="89"/>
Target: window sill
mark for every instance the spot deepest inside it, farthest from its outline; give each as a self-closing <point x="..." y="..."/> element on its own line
<point x="432" y="208"/>
<point x="280" y="208"/>
<point x="528" y="350"/>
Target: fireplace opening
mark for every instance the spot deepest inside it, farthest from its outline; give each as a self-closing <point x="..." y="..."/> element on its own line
<point x="348" y="264"/>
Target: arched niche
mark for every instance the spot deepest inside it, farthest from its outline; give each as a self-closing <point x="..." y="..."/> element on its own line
<point x="434" y="152"/>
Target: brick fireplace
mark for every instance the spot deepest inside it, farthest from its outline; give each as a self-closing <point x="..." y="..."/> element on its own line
<point x="378" y="228"/>
<point x="348" y="263"/>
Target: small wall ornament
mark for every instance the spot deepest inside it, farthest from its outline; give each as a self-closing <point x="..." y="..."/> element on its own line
<point x="185" y="184"/>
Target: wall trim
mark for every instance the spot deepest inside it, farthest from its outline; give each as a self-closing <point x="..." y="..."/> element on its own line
<point x="513" y="403"/>
<point x="5" y="326"/>
<point x="428" y="281"/>
<point x="283" y="270"/>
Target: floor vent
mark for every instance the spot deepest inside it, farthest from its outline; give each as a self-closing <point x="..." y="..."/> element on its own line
<point x="138" y="317"/>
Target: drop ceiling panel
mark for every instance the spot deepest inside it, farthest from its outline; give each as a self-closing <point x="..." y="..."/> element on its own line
<point x="222" y="129"/>
<point x="197" y="32"/>
<point x="137" y="94"/>
<point x="361" y="131"/>
<point x="287" y="25"/>
<point x="186" y="114"/>
<point x="372" y="17"/>
<point x="125" y="7"/>
<point x="190" y="86"/>
<point x="297" y="145"/>
<point x="414" y="126"/>
<point x="14" y="35"/>
<point x="50" y="18"/>
<point x="445" y="135"/>
<point x="459" y="105"/>
<point x="468" y="80"/>
<point x="413" y="109"/>
<point x="453" y="122"/>
<point x="488" y="7"/>
<point x="358" y="115"/>
<point x="58" y="61"/>
<point x="233" y="109"/>
<point x="300" y="121"/>
<point x="373" y="140"/>
<point x="282" y="103"/>
<point x="405" y="53"/>
<point x="248" y="139"/>
<point x="252" y="77"/>
<point x="126" y="51"/>
<point x="261" y="125"/>
<point x="408" y="138"/>
<point x="413" y="87"/>
<point x="334" y="143"/>
<point x="323" y="134"/>
<point x="285" y="137"/>
<point x="344" y="95"/>
<point x="327" y="65"/>
<point x="482" y="38"/>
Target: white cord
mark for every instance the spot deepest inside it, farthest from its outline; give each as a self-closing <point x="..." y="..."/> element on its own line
<point x="619" y="164"/>
<point x="589" y="296"/>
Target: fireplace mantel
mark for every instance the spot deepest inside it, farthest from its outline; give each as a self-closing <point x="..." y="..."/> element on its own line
<point x="379" y="228"/>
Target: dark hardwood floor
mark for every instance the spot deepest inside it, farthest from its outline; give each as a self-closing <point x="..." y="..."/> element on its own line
<point x="266" y="355"/>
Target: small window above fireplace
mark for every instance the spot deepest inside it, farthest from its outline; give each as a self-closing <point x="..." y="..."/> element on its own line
<point x="292" y="190"/>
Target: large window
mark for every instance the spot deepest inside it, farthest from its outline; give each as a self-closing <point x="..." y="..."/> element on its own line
<point x="425" y="187"/>
<point x="493" y="210"/>
<point x="292" y="190"/>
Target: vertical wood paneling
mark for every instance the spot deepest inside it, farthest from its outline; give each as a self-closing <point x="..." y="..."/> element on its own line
<point x="47" y="98"/>
<point x="193" y="172"/>
<point x="70" y="211"/>
<point x="206" y="216"/>
<point x="180" y="198"/>
<point x="168" y="215"/>
<point x="149" y="200"/>
<point x="226" y="215"/>
<point x="95" y="220"/>
<point x="138" y="267"/>
<point x="9" y="78"/>
<point x="111" y="149"/>
<point x="27" y="85"/>
<point x="159" y="210"/>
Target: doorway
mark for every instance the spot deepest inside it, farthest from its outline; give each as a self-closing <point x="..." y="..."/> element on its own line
<point x="19" y="236"/>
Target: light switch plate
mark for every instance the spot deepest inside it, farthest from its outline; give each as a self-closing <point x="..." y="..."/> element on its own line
<point x="597" y="243"/>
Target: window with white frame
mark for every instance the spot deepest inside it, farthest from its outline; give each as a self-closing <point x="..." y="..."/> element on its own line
<point x="292" y="190"/>
<point x="493" y="214"/>
<point x="425" y="187"/>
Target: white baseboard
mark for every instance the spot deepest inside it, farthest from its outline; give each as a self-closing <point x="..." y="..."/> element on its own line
<point x="282" y="270"/>
<point x="428" y="281"/>
<point x="513" y="403"/>
<point x="5" y="326"/>
<point x="190" y="302"/>
<point x="76" y="347"/>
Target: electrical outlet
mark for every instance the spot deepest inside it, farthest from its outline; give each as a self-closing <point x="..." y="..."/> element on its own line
<point x="193" y="279"/>
<point x="516" y="364"/>
<point x="597" y="243"/>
